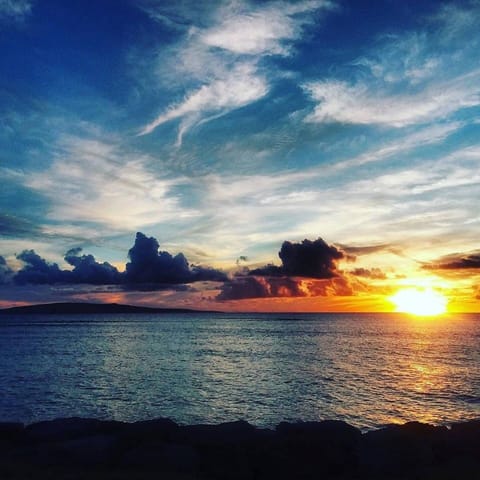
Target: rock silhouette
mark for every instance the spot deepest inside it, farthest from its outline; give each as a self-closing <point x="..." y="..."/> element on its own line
<point x="77" y="448"/>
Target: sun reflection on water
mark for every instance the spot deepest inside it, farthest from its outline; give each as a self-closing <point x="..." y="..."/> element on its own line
<point x="369" y="369"/>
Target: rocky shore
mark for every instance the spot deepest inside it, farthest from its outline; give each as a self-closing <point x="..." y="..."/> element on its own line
<point x="77" y="448"/>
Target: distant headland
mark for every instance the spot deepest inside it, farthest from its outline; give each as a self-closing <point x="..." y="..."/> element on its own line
<point x="90" y="308"/>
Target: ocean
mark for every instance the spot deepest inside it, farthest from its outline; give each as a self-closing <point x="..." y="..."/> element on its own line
<point x="367" y="369"/>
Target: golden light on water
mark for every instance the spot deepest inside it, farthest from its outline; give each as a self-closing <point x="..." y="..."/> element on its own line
<point x="421" y="302"/>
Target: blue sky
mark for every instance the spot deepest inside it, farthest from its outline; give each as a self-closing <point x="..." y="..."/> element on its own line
<point x="223" y="129"/>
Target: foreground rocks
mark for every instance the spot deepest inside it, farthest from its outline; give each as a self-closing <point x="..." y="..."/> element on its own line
<point x="77" y="448"/>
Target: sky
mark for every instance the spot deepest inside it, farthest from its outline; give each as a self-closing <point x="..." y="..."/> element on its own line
<point x="313" y="155"/>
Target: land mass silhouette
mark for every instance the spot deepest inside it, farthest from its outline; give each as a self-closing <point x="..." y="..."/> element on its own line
<point x="69" y="308"/>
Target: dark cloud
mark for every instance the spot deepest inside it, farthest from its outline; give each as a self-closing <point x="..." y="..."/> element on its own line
<point x="12" y="226"/>
<point x="148" y="269"/>
<point x="308" y="269"/>
<point x="329" y="288"/>
<point x="373" y="273"/>
<point x="18" y="227"/>
<point x="240" y="259"/>
<point x="456" y="261"/>
<point x="311" y="259"/>
<point x="260" y="287"/>
<point x="5" y="272"/>
<point x="241" y="288"/>
<point x="37" y="271"/>
<point x="149" y="265"/>
<point x="155" y="287"/>
<point x="269" y="270"/>
<point x="88" y="270"/>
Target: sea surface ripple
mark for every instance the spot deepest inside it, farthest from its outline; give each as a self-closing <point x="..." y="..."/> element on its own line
<point x="367" y="369"/>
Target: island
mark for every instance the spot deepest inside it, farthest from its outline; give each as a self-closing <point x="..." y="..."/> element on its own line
<point x="70" y="308"/>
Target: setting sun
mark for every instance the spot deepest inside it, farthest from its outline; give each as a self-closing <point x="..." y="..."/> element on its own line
<point x="419" y="302"/>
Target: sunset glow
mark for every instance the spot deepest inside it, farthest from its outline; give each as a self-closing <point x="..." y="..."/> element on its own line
<point x="297" y="155"/>
<point x="424" y="302"/>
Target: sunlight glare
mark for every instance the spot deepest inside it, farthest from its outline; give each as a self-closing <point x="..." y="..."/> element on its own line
<point x="419" y="302"/>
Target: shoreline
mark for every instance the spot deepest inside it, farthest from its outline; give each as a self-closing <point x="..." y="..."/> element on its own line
<point x="78" y="448"/>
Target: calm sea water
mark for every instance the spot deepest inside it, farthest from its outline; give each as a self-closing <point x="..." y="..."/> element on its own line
<point x="369" y="370"/>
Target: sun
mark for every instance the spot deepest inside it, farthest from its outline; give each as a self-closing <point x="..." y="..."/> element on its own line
<point x="419" y="301"/>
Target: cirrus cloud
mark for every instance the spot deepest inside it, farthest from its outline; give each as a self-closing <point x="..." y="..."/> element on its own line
<point x="15" y="10"/>
<point x="338" y="101"/>
<point x="224" y="57"/>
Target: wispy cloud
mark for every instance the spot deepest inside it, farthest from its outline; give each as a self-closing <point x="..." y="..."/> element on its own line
<point x="15" y="10"/>
<point x="457" y="20"/>
<point x="238" y="88"/>
<point x="407" y="79"/>
<point x="265" y="30"/>
<point x="97" y="182"/>
<point x="361" y="104"/>
<point x="224" y="58"/>
<point x="258" y="210"/>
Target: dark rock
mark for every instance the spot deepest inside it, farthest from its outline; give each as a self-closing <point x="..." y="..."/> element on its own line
<point x="464" y="439"/>
<point x="331" y="430"/>
<point x="327" y="448"/>
<point x="224" y="449"/>
<point x="169" y="457"/>
<point x="144" y="456"/>
<point x="157" y="429"/>
<point x="238" y="451"/>
<point x="69" y="428"/>
<point x="397" y="449"/>
<point x="180" y="458"/>
<point x="88" y="451"/>
<point x="39" y="455"/>
<point x="222" y="434"/>
<point x="11" y="431"/>
<point x="467" y="431"/>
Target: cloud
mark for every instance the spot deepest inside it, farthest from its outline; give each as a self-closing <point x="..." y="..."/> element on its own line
<point x="339" y="101"/>
<point x="88" y="270"/>
<point x="222" y="52"/>
<point x="261" y="210"/>
<point x="37" y="271"/>
<point x="149" y="265"/>
<point x="13" y="226"/>
<point x="364" y="249"/>
<point x="147" y="269"/>
<point x="408" y="79"/>
<point x="261" y="30"/>
<point x="5" y="272"/>
<point x="260" y="287"/>
<point x="102" y="183"/>
<point x="245" y="287"/>
<point x="239" y="88"/>
<point x="456" y="261"/>
<point x="454" y="20"/>
<point x="308" y="269"/>
<point x="15" y="10"/>
<point x="373" y="273"/>
<point x="311" y="259"/>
